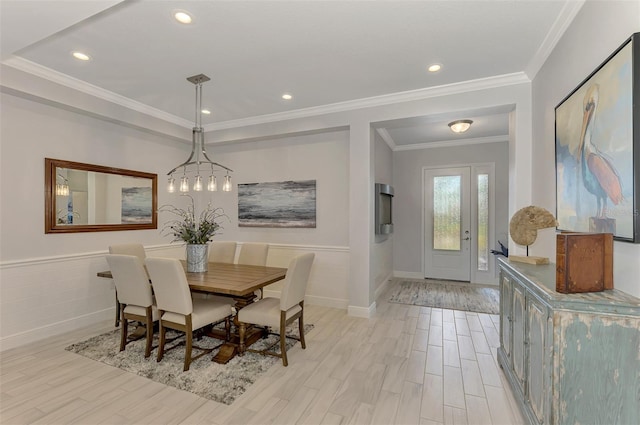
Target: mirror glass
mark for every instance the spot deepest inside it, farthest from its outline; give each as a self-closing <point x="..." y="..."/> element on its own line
<point x="92" y="198"/>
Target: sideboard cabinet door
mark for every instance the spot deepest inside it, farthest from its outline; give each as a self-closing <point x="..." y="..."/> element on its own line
<point x="539" y="359"/>
<point x="506" y="307"/>
<point x="519" y="334"/>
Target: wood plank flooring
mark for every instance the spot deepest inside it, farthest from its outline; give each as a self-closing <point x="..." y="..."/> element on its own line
<point x="407" y="365"/>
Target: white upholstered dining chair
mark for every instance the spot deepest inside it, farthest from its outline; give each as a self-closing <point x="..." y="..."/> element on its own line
<point x="254" y="254"/>
<point x="278" y="313"/>
<point x="222" y="252"/>
<point x="135" y="298"/>
<point x="134" y="249"/>
<point x="178" y="310"/>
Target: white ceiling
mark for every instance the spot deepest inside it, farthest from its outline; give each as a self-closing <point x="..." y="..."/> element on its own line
<point x="322" y="52"/>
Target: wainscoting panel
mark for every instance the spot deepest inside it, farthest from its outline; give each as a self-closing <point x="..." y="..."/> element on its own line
<point x="48" y="296"/>
<point x="45" y="297"/>
<point x="328" y="282"/>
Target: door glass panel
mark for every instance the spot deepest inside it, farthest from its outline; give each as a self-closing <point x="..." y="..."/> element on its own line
<point x="447" y="191"/>
<point x="483" y="222"/>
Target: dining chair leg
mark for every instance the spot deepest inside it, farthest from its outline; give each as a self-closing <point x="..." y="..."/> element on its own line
<point x="301" y="331"/>
<point x="118" y="307"/>
<point x="301" y="326"/>
<point x="283" y="340"/>
<point x="149" y="325"/>
<point x="242" y="328"/>
<point x="161" y="343"/>
<point x="124" y="329"/>
<point x="187" y="353"/>
<point x="227" y="329"/>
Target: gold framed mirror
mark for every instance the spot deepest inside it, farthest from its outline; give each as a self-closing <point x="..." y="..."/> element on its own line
<point x="93" y="198"/>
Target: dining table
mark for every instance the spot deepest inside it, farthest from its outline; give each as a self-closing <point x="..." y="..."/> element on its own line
<point x="236" y="281"/>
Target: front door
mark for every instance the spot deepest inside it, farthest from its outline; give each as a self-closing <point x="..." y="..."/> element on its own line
<point x="447" y="223"/>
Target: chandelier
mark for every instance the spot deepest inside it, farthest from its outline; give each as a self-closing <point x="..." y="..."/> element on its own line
<point x="198" y="156"/>
<point x="62" y="189"/>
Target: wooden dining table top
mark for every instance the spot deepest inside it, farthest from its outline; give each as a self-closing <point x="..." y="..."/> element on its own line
<point x="229" y="279"/>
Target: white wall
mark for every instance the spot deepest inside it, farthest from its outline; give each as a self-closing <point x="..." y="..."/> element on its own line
<point x="407" y="167"/>
<point x="382" y="248"/>
<point x="323" y="157"/>
<point x="599" y="28"/>
<point x="32" y="131"/>
<point x="48" y="283"/>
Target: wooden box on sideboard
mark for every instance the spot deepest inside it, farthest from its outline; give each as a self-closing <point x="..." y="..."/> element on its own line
<point x="584" y="262"/>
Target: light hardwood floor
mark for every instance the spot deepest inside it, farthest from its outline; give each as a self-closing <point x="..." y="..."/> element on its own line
<point x="407" y="365"/>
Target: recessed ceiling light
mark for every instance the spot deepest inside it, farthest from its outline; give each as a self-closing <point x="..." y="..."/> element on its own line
<point x="81" y="56"/>
<point x="435" y="67"/>
<point x="287" y="96"/>
<point x="206" y="112"/>
<point x="183" y="17"/>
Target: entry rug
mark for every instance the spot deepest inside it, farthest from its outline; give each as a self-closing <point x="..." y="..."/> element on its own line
<point x="446" y="294"/>
<point x="219" y="382"/>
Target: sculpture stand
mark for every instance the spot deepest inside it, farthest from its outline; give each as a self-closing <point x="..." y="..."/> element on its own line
<point x="529" y="260"/>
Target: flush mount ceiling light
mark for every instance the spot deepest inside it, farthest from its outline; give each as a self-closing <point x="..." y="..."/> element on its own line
<point x="435" y="67"/>
<point x="198" y="155"/>
<point x="287" y="96"/>
<point x="460" y="126"/>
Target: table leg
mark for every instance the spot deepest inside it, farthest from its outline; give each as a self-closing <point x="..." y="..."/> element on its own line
<point x="231" y="348"/>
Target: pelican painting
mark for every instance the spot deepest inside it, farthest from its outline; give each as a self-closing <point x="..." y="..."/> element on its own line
<point x="599" y="175"/>
<point x="594" y="151"/>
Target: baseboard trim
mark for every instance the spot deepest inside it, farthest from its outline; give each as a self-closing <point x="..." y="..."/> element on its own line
<point x="383" y="286"/>
<point x="364" y="312"/>
<point x="408" y="275"/>
<point x="53" y="329"/>
<point x="315" y="300"/>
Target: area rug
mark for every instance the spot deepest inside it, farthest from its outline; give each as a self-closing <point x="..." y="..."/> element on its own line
<point x="446" y="294"/>
<point x="219" y="382"/>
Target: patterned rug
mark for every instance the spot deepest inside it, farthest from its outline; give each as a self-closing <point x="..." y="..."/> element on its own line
<point x="446" y="294"/>
<point x="219" y="382"/>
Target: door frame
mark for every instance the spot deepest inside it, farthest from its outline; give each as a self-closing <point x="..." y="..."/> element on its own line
<point x="476" y="276"/>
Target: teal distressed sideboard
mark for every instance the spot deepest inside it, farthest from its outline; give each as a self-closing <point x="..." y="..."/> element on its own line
<point x="569" y="358"/>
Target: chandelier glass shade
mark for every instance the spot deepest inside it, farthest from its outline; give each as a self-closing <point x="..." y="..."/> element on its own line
<point x="198" y="158"/>
<point x="62" y="189"/>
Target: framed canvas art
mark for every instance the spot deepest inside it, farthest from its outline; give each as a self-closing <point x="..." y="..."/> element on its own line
<point x="597" y="140"/>
<point x="277" y="204"/>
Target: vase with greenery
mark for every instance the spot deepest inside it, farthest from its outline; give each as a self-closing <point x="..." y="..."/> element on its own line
<point x="196" y="231"/>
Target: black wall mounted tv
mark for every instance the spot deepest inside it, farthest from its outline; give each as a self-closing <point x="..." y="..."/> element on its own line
<point x="384" y="209"/>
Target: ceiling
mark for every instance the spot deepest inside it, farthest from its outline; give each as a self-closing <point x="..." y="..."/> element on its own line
<point x="324" y="53"/>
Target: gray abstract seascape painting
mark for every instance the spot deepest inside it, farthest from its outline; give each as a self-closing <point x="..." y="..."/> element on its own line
<point x="277" y="204"/>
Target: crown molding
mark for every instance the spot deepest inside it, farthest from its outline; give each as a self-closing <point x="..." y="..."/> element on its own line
<point x="451" y="143"/>
<point x="383" y="100"/>
<point x="384" y="134"/>
<point x="560" y="25"/>
<point x="95" y="91"/>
